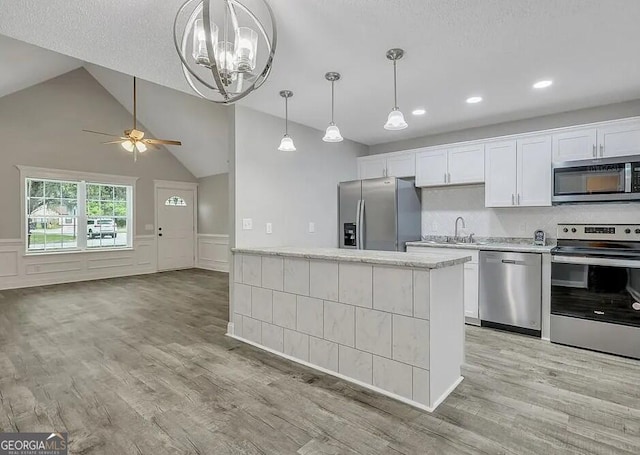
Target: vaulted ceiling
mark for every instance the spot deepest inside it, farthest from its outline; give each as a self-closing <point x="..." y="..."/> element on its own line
<point x="455" y="49"/>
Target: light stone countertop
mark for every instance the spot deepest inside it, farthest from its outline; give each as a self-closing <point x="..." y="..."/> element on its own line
<point x="392" y="258"/>
<point x="515" y="245"/>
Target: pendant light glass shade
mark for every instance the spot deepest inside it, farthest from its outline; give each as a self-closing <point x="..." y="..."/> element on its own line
<point x="286" y="144"/>
<point x="395" y="121"/>
<point x="141" y="146"/>
<point x="332" y="134"/>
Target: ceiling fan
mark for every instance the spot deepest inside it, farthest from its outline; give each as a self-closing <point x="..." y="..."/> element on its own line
<point x="134" y="140"/>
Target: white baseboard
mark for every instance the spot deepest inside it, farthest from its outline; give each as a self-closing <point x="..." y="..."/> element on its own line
<point x="415" y="404"/>
<point x="213" y="252"/>
<point x="19" y="270"/>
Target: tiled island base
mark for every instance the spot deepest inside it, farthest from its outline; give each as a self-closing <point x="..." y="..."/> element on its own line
<point x="390" y="327"/>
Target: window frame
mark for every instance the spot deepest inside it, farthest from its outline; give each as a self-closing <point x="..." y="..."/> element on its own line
<point x="82" y="178"/>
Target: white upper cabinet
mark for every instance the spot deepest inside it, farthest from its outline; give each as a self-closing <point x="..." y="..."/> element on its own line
<point x="456" y="166"/>
<point x="387" y="165"/>
<point x="431" y="168"/>
<point x="401" y="165"/>
<point x="534" y="172"/>
<point x="372" y="167"/>
<point x="500" y="174"/>
<point x="575" y="145"/>
<point x="620" y="139"/>
<point x="466" y="164"/>
<point x="518" y="173"/>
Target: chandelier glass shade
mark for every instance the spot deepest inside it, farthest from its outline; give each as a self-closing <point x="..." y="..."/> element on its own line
<point x="226" y="47"/>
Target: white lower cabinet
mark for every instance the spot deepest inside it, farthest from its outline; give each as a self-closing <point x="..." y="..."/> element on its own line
<point x="471" y="277"/>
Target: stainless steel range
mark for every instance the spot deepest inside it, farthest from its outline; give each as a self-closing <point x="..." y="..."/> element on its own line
<point x="595" y="288"/>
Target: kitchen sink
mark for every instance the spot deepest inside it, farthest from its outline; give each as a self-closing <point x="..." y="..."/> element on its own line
<point x="454" y="241"/>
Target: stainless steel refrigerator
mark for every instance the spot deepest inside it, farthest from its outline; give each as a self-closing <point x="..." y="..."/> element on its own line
<point x="379" y="214"/>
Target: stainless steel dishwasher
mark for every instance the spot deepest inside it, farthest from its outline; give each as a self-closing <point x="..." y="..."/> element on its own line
<point x="511" y="291"/>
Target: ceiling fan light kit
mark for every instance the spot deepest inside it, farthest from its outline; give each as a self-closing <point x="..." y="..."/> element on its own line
<point x="133" y="140"/>
<point x="226" y="49"/>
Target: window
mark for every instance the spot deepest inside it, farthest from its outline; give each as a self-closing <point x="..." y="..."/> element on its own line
<point x="175" y="201"/>
<point x="77" y="214"/>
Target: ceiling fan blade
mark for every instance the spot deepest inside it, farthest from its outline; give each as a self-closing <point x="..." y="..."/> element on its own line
<point x="114" y="142"/>
<point x="161" y="141"/>
<point x="104" y="134"/>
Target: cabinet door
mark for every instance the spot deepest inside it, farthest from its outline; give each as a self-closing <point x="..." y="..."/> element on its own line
<point x="534" y="172"/>
<point x="471" y="290"/>
<point x="401" y="165"/>
<point x="466" y="164"/>
<point x="500" y="174"/>
<point x="431" y="168"/>
<point x="574" y="145"/>
<point x="620" y="139"/>
<point x="371" y="168"/>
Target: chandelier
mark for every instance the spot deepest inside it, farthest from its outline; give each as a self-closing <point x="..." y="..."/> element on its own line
<point x="226" y="46"/>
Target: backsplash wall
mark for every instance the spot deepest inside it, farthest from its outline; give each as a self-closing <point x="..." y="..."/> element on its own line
<point x="441" y="207"/>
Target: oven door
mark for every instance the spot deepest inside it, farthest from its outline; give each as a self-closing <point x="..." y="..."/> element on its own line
<point x="596" y="288"/>
<point x="592" y="182"/>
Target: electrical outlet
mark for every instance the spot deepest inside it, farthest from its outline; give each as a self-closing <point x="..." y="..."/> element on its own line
<point x="312" y="227"/>
<point x="269" y="228"/>
<point x="434" y="227"/>
<point x="523" y="227"/>
<point x="247" y="224"/>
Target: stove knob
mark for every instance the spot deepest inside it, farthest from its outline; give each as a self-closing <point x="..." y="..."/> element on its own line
<point x="627" y="231"/>
<point x="637" y="231"/>
<point x="565" y="230"/>
<point x="574" y="230"/>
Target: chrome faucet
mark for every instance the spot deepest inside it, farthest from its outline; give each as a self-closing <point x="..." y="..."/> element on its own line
<point x="456" y="229"/>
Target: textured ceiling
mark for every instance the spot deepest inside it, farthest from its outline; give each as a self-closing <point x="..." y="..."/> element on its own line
<point x="24" y="65"/>
<point x="455" y="49"/>
<point x="169" y="114"/>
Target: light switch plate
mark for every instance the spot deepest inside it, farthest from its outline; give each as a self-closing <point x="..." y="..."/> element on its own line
<point x="269" y="228"/>
<point x="312" y="227"/>
<point x="247" y="224"/>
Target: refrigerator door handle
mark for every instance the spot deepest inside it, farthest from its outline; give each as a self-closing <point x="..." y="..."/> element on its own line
<point x="361" y="225"/>
<point x="358" y="224"/>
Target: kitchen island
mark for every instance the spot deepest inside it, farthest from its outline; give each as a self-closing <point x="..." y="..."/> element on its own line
<point x="388" y="321"/>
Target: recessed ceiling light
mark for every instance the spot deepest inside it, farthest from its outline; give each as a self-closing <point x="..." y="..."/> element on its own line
<point x="419" y="111"/>
<point x="474" y="99"/>
<point x="542" y="84"/>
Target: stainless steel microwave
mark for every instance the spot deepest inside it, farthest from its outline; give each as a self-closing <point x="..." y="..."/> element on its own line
<point x="598" y="180"/>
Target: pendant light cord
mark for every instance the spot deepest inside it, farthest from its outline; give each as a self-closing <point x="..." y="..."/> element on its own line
<point x="395" y="86"/>
<point x="332" y="102"/>
<point x="286" y="116"/>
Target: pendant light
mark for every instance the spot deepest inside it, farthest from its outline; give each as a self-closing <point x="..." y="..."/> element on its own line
<point x="333" y="132"/>
<point x="395" y="121"/>
<point x="286" y="144"/>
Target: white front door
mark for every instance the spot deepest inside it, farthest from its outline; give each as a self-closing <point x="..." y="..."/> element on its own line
<point x="175" y="230"/>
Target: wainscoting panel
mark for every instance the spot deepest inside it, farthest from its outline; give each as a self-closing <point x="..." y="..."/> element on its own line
<point x="213" y="252"/>
<point x="18" y="270"/>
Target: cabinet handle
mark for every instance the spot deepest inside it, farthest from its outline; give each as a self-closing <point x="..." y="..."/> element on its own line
<point x="513" y="199"/>
<point x="518" y="198"/>
<point x="595" y="154"/>
<point x="445" y="177"/>
<point x="449" y="177"/>
<point x="601" y="149"/>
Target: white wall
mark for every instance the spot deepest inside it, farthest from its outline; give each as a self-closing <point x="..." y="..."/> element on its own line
<point x="288" y="189"/>
<point x="213" y="204"/>
<point x="441" y="207"/>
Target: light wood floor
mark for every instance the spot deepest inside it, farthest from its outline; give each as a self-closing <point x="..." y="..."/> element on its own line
<point x="141" y="366"/>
